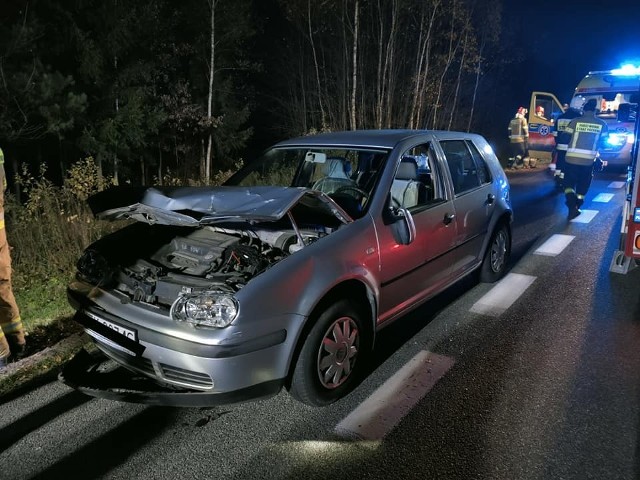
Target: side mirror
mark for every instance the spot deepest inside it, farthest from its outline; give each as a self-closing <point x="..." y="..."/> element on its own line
<point x="405" y="227"/>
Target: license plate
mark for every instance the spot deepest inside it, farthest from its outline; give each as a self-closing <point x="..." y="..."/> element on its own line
<point x="127" y="332"/>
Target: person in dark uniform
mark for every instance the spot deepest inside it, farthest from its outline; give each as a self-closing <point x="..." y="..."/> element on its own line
<point x="587" y="132"/>
<point x="562" y="137"/>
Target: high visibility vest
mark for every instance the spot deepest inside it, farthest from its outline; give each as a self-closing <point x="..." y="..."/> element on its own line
<point x="518" y="130"/>
<point x="586" y="132"/>
<point x="562" y="137"/>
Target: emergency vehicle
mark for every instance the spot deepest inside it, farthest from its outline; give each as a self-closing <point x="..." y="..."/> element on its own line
<point x="616" y="93"/>
<point x="628" y="256"/>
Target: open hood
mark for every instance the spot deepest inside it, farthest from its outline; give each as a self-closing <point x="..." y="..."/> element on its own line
<point x="194" y="206"/>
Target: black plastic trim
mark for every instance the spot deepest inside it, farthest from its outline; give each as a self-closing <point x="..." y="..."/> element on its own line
<point x="96" y="375"/>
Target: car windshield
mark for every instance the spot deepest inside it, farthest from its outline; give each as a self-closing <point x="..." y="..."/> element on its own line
<point x="347" y="175"/>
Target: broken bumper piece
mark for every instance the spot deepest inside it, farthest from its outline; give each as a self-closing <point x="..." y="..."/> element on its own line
<point x="97" y="375"/>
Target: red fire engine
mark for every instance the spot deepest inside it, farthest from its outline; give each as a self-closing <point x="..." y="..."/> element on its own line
<point x="628" y="257"/>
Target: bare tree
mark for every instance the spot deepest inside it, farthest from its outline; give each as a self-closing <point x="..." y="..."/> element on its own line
<point x="354" y="77"/>
<point x="316" y="66"/>
<point x="462" y="65"/>
<point x="422" y="62"/>
<point x="206" y="168"/>
<point x="448" y="60"/>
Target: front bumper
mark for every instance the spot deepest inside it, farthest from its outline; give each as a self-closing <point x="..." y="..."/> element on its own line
<point x="99" y="376"/>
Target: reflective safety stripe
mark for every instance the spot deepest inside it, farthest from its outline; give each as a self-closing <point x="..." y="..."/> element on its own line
<point x="1" y="224"/>
<point x="562" y="146"/>
<point x="14" y="326"/>
<point x="569" y="190"/>
<point x="581" y="152"/>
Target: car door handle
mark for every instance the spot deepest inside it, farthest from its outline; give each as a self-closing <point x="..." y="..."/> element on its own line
<point x="448" y="218"/>
<point x="490" y="199"/>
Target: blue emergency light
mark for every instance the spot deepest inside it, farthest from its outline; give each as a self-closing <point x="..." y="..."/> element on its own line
<point x="619" y="139"/>
<point x="626" y="70"/>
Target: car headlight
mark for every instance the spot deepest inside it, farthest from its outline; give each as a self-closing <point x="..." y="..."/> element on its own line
<point x="93" y="267"/>
<point x="211" y="309"/>
<point x="616" y="139"/>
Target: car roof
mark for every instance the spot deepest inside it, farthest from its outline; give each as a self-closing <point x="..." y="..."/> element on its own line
<point x="367" y="138"/>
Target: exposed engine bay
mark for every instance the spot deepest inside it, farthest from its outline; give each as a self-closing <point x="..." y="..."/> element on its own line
<point x="187" y="240"/>
<point x="155" y="263"/>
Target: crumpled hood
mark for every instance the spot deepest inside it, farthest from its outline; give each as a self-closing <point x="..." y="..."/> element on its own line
<point x="193" y="206"/>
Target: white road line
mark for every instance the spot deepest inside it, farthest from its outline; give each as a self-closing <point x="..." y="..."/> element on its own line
<point x="603" y="197"/>
<point x="586" y="216"/>
<point x="554" y="245"/>
<point x="383" y="410"/>
<point x="617" y="184"/>
<point x="497" y="300"/>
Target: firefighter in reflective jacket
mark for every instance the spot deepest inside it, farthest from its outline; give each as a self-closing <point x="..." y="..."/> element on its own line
<point x="562" y="137"/>
<point x="518" y="138"/>
<point x="12" y="341"/>
<point x="587" y="132"/>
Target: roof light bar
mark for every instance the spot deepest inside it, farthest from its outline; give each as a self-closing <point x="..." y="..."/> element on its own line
<point x="626" y="70"/>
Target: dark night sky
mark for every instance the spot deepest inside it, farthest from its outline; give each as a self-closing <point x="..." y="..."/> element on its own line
<point x="564" y="39"/>
<point x="560" y="42"/>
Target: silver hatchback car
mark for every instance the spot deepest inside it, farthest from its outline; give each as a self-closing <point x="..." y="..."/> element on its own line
<point x="283" y="276"/>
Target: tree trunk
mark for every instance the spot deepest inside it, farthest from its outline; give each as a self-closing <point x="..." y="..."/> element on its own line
<point x="160" y="163"/>
<point x="207" y="165"/>
<point x="422" y="72"/>
<point x="323" y="114"/>
<point x="454" y="103"/>
<point x="449" y="60"/>
<point x="478" y="71"/>
<point x="354" y="76"/>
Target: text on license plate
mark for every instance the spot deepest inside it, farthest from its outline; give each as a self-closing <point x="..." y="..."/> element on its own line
<point x="130" y="334"/>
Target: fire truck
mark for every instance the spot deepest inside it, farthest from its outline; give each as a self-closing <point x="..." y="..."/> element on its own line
<point x="628" y="256"/>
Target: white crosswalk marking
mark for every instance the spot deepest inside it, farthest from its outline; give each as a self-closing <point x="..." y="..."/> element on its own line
<point x="603" y="197"/>
<point x="497" y="300"/>
<point x="554" y="245"/>
<point x="383" y="410"/>
<point x="586" y="216"/>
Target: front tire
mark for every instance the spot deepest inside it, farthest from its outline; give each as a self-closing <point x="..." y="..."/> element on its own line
<point x="333" y="355"/>
<point x="496" y="258"/>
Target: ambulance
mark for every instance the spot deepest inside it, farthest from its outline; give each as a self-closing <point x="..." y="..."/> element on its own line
<point x="616" y="93"/>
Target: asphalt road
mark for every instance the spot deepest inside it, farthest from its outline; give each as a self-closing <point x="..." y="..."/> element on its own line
<point x="541" y="385"/>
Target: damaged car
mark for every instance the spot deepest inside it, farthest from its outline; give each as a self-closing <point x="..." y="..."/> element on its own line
<point x="283" y="276"/>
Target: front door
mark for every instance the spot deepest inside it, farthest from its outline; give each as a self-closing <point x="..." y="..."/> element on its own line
<point x="412" y="272"/>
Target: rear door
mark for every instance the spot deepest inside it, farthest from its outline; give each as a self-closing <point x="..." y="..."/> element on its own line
<point x="473" y="200"/>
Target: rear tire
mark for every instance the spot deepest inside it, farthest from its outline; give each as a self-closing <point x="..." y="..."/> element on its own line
<point x="496" y="258"/>
<point x="333" y="356"/>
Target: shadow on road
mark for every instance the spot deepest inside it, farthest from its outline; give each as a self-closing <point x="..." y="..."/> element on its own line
<point x="93" y="461"/>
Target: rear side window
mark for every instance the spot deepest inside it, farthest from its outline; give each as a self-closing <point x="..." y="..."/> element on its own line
<point x="462" y="166"/>
<point x="484" y="174"/>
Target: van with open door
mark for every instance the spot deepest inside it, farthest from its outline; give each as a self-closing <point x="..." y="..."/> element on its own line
<point x="616" y="92"/>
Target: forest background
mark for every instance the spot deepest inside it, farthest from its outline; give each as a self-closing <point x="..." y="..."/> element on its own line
<point x="97" y="93"/>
